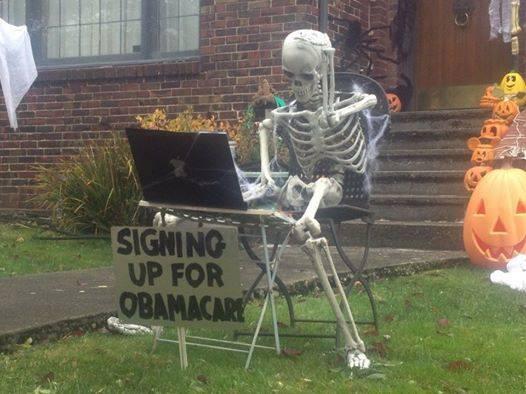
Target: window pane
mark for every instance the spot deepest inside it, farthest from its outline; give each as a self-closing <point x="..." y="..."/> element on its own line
<point x="53" y="42"/>
<point x="70" y="41"/>
<point x="132" y="37"/>
<point x="179" y="25"/>
<point x="92" y="27"/>
<point x="13" y="11"/>
<point x="90" y="11"/>
<point x="69" y="12"/>
<point x="110" y="38"/>
<point x="189" y="33"/>
<point x="54" y="13"/>
<point x="169" y="8"/>
<point x="89" y="42"/>
<point x="95" y="28"/>
<point x="169" y="35"/>
<point x="189" y="7"/>
<point x="132" y="9"/>
<point x="111" y="11"/>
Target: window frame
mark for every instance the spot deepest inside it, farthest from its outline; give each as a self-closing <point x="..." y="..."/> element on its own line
<point x="149" y="53"/>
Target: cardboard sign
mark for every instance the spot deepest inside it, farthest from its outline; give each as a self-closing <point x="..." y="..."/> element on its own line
<point x="183" y="276"/>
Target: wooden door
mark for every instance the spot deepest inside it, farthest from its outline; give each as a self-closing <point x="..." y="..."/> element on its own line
<point x="452" y="63"/>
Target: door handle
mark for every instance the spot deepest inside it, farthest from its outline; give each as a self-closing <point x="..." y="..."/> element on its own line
<point x="462" y="19"/>
<point x="462" y="10"/>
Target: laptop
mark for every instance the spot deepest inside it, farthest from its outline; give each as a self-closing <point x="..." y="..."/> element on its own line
<point x="183" y="168"/>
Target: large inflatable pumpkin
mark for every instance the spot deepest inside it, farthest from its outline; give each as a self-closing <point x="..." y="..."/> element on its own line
<point x="495" y="221"/>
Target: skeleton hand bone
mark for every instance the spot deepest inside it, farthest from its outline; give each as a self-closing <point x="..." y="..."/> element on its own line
<point x="325" y="192"/>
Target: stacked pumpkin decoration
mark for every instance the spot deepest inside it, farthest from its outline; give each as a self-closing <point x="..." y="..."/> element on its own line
<point x="495" y="221"/>
<point x="504" y="100"/>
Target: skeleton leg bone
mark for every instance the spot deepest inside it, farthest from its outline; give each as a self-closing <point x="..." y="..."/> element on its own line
<point x="327" y="254"/>
<point x="355" y="356"/>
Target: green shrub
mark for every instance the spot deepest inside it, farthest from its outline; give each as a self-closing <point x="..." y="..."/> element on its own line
<point x="92" y="191"/>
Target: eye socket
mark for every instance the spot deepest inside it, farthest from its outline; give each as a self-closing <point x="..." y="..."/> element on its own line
<point x="307" y="76"/>
<point x="288" y="74"/>
<point x="481" y="210"/>
<point x="513" y="78"/>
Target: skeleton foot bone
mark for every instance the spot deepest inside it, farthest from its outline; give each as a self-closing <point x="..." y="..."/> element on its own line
<point x="357" y="359"/>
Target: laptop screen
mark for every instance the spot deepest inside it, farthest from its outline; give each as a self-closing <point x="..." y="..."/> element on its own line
<point x="183" y="168"/>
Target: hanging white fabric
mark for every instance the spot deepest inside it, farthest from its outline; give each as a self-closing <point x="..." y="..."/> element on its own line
<point x="500" y="19"/>
<point x="17" y="66"/>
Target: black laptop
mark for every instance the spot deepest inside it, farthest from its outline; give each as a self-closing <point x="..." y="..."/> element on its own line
<point x="190" y="169"/>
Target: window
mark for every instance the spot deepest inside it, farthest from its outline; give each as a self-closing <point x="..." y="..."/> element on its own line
<point x="106" y="31"/>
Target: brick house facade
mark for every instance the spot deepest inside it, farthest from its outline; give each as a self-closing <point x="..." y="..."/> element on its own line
<point x="240" y="43"/>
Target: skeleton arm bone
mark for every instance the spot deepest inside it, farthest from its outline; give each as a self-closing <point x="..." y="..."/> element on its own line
<point x="357" y="103"/>
<point x="265" y="128"/>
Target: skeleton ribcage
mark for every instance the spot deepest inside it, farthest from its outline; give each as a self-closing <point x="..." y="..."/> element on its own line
<point x="329" y="151"/>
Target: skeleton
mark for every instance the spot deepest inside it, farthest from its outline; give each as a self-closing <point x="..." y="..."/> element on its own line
<point x="327" y="140"/>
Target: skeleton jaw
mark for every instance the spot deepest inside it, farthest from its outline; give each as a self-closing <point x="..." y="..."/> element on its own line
<point x="304" y="93"/>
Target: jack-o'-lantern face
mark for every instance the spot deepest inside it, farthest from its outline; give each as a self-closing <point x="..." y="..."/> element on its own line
<point x="474" y="175"/>
<point x="506" y="110"/>
<point x="483" y="153"/>
<point x="394" y="102"/>
<point x="512" y="83"/>
<point x="495" y="221"/>
<point x="494" y="128"/>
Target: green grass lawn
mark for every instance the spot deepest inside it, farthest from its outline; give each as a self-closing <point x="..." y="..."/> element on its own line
<point x="21" y="252"/>
<point x="448" y="331"/>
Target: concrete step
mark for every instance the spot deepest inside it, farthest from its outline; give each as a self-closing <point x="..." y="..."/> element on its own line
<point x="442" y="120"/>
<point x="405" y="234"/>
<point x="419" y="207"/>
<point x="419" y="182"/>
<point x="428" y="138"/>
<point x="423" y="159"/>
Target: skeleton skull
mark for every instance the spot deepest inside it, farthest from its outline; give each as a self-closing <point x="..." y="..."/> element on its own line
<point x="302" y="61"/>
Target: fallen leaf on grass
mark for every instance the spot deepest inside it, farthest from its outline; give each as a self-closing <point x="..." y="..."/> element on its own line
<point x="443" y="323"/>
<point x="282" y="325"/>
<point x="379" y="348"/>
<point x="202" y="378"/>
<point x="78" y="333"/>
<point x="408" y="303"/>
<point x="460" y="365"/>
<point x="289" y="352"/>
<point x="47" y="378"/>
<point x="389" y="318"/>
<point x="371" y="332"/>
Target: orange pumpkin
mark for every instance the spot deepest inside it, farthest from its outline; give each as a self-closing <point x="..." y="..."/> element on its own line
<point x="474" y="175"/>
<point x="395" y="104"/>
<point x="483" y="153"/>
<point x="495" y="221"/>
<point x="489" y="100"/>
<point x="506" y="110"/>
<point x="494" y="128"/>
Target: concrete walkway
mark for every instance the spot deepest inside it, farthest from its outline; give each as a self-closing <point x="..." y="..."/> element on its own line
<point x="46" y="306"/>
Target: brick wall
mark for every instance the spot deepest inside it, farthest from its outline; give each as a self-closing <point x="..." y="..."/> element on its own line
<point x="240" y="44"/>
